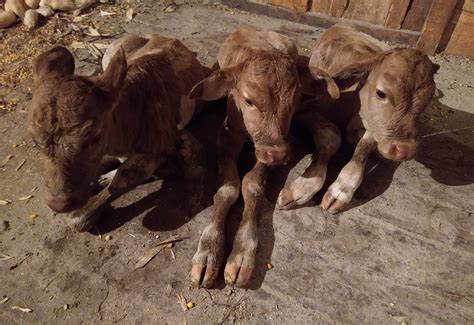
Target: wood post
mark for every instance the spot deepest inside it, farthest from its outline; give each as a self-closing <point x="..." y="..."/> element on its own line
<point x="297" y="5"/>
<point x="396" y="14"/>
<point x="435" y="24"/>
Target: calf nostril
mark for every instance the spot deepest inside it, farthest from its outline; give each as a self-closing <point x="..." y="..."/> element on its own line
<point x="404" y="151"/>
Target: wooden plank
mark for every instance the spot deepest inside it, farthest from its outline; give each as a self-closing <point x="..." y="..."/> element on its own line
<point x="297" y="5"/>
<point x="466" y="5"/>
<point x="461" y="40"/>
<point x="416" y="15"/>
<point x="396" y="13"/>
<point x="435" y="24"/>
<point x="321" y="20"/>
<point x="338" y="7"/>
<point x="371" y="11"/>
<point x="321" y="6"/>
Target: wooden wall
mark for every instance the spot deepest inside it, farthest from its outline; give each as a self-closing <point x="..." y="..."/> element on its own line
<point x="443" y="25"/>
<point x="459" y="37"/>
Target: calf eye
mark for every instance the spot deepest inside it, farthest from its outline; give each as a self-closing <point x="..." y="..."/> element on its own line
<point x="248" y="102"/>
<point x="380" y="94"/>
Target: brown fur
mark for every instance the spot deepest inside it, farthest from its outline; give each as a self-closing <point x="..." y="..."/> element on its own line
<point x="132" y="108"/>
<point x="259" y="71"/>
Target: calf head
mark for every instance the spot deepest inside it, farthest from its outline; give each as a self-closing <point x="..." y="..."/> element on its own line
<point x="67" y="121"/>
<point x="266" y="92"/>
<point x="395" y="88"/>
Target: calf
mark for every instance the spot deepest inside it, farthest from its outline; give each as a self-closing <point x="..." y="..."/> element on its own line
<point x="259" y="73"/>
<point x="134" y="109"/>
<point x="393" y="88"/>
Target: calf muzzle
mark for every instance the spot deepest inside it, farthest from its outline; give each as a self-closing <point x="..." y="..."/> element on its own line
<point x="273" y="154"/>
<point x="65" y="204"/>
<point x="399" y="150"/>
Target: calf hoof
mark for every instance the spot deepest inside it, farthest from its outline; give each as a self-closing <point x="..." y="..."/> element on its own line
<point x="335" y="200"/>
<point x="105" y="179"/>
<point x="241" y="261"/>
<point x="299" y="192"/>
<point x="83" y="222"/>
<point x="208" y="258"/>
<point x="237" y="272"/>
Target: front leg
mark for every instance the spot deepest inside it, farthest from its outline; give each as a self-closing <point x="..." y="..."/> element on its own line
<point x="208" y="258"/>
<point x="340" y="193"/>
<point x="241" y="261"/>
<point x="133" y="172"/>
<point x="327" y="140"/>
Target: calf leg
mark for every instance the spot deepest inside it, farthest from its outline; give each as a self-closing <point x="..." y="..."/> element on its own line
<point x="208" y="258"/>
<point x="241" y="261"/>
<point x="340" y="192"/>
<point x="133" y="172"/>
<point x="327" y="139"/>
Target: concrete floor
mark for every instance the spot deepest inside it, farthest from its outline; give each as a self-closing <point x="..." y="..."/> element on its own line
<point x="402" y="254"/>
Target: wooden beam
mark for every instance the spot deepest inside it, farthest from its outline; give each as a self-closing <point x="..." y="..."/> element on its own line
<point x="320" y="20"/>
<point x="467" y="5"/>
<point x="396" y="13"/>
<point x="297" y="5"/>
<point x="321" y="6"/>
<point x="461" y="39"/>
<point x="338" y="7"/>
<point x="435" y="24"/>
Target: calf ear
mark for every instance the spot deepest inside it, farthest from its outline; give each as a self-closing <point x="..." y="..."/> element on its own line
<point x="55" y="62"/>
<point x="354" y="73"/>
<point x="315" y="82"/>
<point x="216" y="86"/>
<point x="112" y="78"/>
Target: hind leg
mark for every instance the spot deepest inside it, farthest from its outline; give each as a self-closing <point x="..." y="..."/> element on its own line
<point x="133" y="172"/>
<point x="128" y="43"/>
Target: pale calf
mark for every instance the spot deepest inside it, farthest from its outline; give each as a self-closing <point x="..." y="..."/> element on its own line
<point x="390" y="90"/>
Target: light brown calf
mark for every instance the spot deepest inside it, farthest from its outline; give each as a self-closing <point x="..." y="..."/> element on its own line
<point x="259" y="73"/>
<point x="131" y="110"/>
<point x="393" y="88"/>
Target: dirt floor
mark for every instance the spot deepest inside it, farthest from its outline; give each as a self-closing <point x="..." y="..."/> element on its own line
<point x="402" y="254"/>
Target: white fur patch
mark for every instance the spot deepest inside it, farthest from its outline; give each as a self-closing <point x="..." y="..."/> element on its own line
<point x="203" y="255"/>
<point x="339" y="195"/>
<point x="248" y="236"/>
<point x="106" y="179"/>
<point x="228" y="191"/>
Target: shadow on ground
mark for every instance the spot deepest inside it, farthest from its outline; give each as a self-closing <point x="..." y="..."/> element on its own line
<point x="184" y="194"/>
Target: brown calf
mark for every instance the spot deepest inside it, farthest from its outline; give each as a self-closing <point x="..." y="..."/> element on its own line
<point x="131" y="110"/>
<point x="259" y="73"/>
<point x="393" y="88"/>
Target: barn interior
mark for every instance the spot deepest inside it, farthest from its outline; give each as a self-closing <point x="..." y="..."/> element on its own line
<point x="403" y="253"/>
